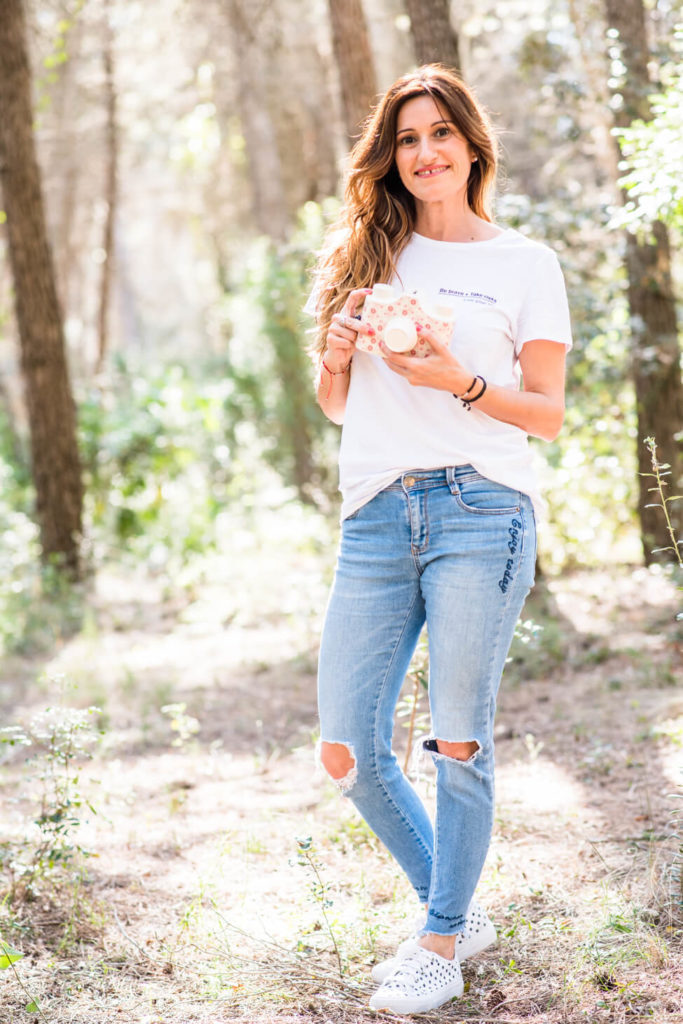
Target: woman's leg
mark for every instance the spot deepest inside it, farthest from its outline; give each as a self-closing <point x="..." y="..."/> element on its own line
<point x="373" y="621"/>
<point x="477" y="571"/>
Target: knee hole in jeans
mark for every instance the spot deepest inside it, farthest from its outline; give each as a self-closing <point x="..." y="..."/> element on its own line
<point x="457" y="751"/>
<point x="339" y="761"/>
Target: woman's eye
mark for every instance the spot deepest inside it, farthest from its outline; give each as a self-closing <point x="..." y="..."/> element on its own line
<point x="443" y="131"/>
<point x="406" y="140"/>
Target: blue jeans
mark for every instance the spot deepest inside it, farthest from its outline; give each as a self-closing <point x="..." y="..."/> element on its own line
<point x="457" y="551"/>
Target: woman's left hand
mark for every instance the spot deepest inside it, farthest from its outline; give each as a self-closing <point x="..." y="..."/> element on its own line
<point x="440" y="369"/>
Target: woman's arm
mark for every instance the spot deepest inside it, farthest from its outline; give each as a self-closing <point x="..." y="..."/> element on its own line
<point x="332" y="387"/>
<point x="335" y="366"/>
<point x="537" y="410"/>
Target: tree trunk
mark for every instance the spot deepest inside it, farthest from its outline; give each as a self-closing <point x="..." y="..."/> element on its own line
<point x="269" y="201"/>
<point x="654" y="338"/>
<point x="52" y="421"/>
<point x="353" y="57"/>
<point x="433" y="35"/>
<point x="66" y="165"/>
<point x="111" y="193"/>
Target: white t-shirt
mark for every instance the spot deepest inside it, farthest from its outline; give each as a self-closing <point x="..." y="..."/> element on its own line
<point x="505" y="291"/>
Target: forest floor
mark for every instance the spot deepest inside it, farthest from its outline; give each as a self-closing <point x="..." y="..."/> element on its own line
<point x="202" y="899"/>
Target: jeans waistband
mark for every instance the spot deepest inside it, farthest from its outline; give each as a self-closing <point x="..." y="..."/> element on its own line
<point x="430" y="477"/>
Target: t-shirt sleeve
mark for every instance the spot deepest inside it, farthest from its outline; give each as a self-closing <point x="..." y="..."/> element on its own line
<point x="311" y="304"/>
<point x="544" y="312"/>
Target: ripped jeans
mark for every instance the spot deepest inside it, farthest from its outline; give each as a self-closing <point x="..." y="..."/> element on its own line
<point x="457" y="551"/>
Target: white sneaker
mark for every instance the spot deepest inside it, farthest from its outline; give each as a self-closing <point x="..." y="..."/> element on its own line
<point x="422" y="981"/>
<point x="477" y="935"/>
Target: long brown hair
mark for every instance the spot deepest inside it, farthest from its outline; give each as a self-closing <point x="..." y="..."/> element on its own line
<point x="378" y="215"/>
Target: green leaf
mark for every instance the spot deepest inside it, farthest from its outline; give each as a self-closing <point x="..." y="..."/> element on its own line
<point x="33" y="1007"/>
<point x="8" y="956"/>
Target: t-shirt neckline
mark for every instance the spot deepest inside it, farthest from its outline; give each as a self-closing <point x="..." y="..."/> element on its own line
<point x="462" y="245"/>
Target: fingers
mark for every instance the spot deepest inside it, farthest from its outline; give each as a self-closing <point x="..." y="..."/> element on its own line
<point x="429" y="370"/>
<point x="345" y="322"/>
<point x="354" y="300"/>
<point x="437" y="347"/>
<point x="341" y="339"/>
<point x="346" y="326"/>
<point x="401" y="360"/>
<point x="343" y="330"/>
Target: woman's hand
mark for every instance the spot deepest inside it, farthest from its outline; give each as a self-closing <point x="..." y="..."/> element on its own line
<point x="440" y="369"/>
<point x="343" y="333"/>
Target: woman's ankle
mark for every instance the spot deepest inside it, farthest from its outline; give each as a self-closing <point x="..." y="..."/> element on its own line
<point x="443" y="945"/>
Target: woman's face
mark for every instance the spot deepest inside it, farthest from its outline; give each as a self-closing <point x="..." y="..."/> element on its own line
<point x="432" y="158"/>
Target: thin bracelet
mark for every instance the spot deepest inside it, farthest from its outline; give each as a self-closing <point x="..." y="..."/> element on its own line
<point x="467" y="402"/>
<point x="334" y="373"/>
<point x="460" y="397"/>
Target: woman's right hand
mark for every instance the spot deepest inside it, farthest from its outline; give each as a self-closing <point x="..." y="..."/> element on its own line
<point x="343" y="333"/>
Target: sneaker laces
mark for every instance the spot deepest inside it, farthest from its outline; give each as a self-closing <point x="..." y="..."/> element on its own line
<point x="411" y="967"/>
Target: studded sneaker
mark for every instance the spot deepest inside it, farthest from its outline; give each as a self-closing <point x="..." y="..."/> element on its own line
<point x="477" y="935"/>
<point x="422" y="981"/>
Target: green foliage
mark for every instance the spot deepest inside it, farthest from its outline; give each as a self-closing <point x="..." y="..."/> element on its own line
<point x="158" y="461"/>
<point x="8" y="958"/>
<point x="589" y="474"/>
<point x="268" y="360"/>
<point x="319" y="889"/>
<point x="8" y="955"/>
<point x="653" y="154"/>
<point x="57" y="56"/>
<point x="659" y="473"/>
<point x="185" y="726"/>
<point x="61" y="740"/>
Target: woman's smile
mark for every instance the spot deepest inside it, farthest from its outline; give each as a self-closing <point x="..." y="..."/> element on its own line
<point x="430" y="172"/>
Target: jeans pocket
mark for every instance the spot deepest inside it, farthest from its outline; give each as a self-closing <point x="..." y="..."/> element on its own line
<point x="479" y="495"/>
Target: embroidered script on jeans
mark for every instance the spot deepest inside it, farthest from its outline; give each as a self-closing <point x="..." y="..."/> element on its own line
<point x="513" y="543"/>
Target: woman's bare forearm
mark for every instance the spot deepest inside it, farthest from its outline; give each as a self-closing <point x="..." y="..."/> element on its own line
<point x="537" y="410"/>
<point x="540" y="415"/>
<point x="332" y="391"/>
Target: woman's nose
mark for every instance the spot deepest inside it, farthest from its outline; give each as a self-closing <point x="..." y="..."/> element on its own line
<point x="426" y="148"/>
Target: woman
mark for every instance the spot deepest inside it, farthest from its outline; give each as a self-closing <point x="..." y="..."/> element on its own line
<point x="438" y="496"/>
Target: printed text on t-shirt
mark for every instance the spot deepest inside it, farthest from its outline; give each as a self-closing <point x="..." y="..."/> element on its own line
<point x="483" y="300"/>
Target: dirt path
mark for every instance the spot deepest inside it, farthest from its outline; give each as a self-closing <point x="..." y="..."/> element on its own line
<point x="201" y="906"/>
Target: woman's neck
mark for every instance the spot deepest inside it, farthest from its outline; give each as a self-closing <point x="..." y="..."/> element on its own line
<point x="446" y="223"/>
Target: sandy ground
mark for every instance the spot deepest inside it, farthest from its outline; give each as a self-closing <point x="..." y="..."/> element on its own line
<point x="198" y="904"/>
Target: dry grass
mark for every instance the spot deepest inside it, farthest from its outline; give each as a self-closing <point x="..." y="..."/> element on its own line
<point x="196" y="908"/>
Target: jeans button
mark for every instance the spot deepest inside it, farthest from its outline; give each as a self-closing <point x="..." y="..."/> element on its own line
<point x="409" y="481"/>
